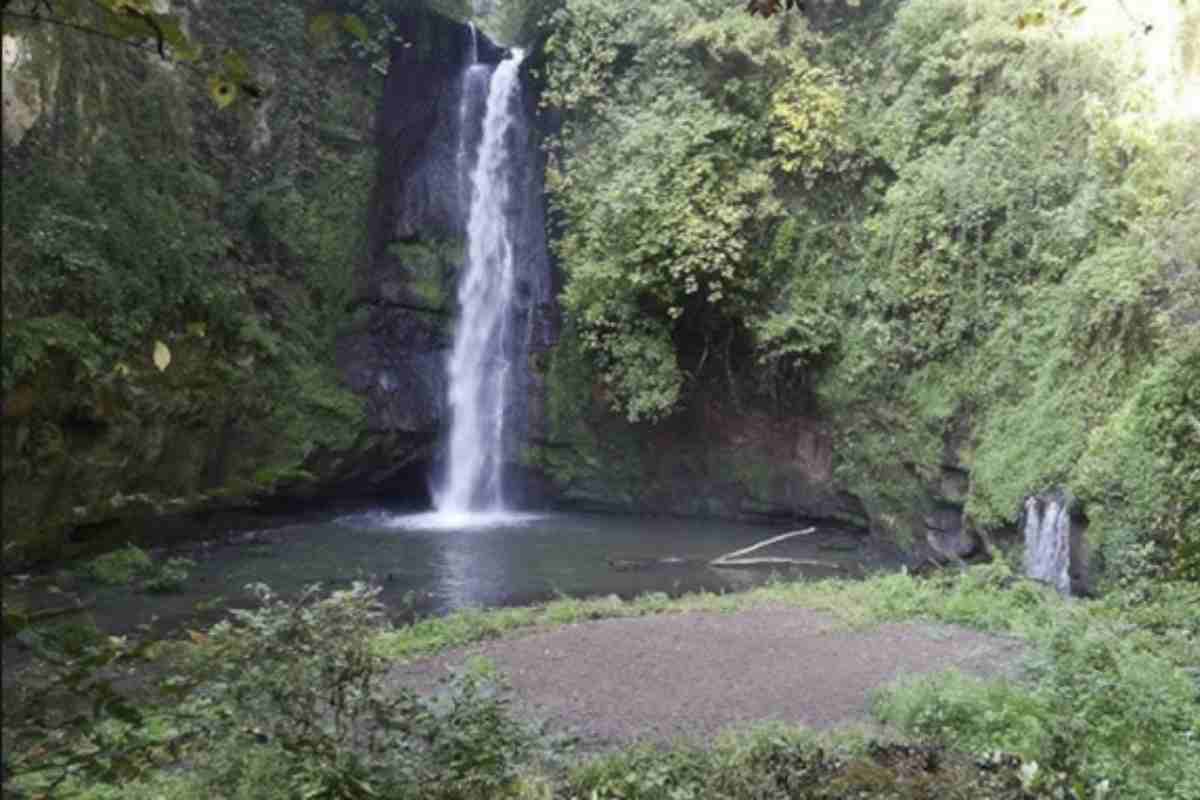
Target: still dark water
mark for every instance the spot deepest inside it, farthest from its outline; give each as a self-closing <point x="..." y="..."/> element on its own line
<point x="429" y="565"/>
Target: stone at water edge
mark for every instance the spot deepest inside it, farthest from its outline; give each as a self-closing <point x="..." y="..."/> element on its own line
<point x="949" y="536"/>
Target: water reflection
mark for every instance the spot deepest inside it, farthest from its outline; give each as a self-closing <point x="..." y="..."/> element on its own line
<point x="458" y="521"/>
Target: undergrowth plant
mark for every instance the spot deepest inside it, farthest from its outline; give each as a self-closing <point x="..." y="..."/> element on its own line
<point x="296" y="698"/>
<point x="288" y="699"/>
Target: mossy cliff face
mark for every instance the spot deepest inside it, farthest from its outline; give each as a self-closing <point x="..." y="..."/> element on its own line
<point x="137" y="213"/>
<point x="717" y="457"/>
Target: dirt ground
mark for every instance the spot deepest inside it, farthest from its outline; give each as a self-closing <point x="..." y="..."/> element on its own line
<point x="689" y="676"/>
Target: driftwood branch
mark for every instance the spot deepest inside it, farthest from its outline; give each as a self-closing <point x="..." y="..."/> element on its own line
<point x="734" y="559"/>
<point x="61" y="611"/>
<point x="761" y="545"/>
<point x="774" y="561"/>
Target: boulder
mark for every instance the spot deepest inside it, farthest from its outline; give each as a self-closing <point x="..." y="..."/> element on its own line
<point x="949" y="536"/>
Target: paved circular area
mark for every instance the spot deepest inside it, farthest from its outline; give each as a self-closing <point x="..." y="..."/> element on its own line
<point x="692" y="675"/>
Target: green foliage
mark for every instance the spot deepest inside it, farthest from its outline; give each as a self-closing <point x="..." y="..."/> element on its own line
<point x="654" y="238"/>
<point x="30" y="345"/>
<point x="643" y="774"/>
<point x="808" y="116"/>
<point x="130" y="564"/>
<point x="1013" y="268"/>
<point x="286" y="700"/>
<point x="429" y="267"/>
<point x="141" y="25"/>
<point x="520" y="22"/>
<point x="1092" y="354"/>
<point x="1096" y="703"/>
<point x="69" y="721"/>
<point x="303" y="675"/>
<point x="292" y="697"/>
<point x="952" y="231"/>
<point x="775" y="762"/>
<point x="141" y="252"/>
<point x="135" y="215"/>
<point x="994" y="187"/>
<point x="664" y="186"/>
<point x="169" y="577"/>
<point x="323" y="229"/>
<point x="120" y="567"/>
<point x="1143" y="465"/>
<point x="602" y="452"/>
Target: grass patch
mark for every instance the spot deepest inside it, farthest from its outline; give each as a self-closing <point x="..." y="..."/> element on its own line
<point x="989" y="598"/>
<point x="777" y="761"/>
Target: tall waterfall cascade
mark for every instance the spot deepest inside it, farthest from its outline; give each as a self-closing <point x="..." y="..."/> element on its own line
<point x="490" y="347"/>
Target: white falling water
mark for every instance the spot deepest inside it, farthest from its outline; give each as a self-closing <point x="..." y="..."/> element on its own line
<point x="480" y="367"/>
<point x="474" y="81"/>
<point x="1048" y="540"/>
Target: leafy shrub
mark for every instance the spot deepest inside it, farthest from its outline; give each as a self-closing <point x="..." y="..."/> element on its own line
<point x="664" y="193"/>
<point x="120" y="567"/>
<point x="643" y="774"/>
<point x="1142" y="468"/>
<point x="169" y="577"/>
<point x="68" y="721"/>
<point x="304" y="676"/>
<point x="141" y="254"/>
<point x="1097" y="704"/>
<point x="289" y="699"/>
<point x="975" y="714"/>
<point x="774" y="762"/>
<point x="808" y="123"/>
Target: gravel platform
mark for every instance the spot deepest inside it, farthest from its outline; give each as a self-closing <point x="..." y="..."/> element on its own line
<point x="689" y="676"/>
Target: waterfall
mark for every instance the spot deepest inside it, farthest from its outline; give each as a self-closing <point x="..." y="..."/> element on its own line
<point x="474" y="85"/>
<point x="488" y="350"/>
<point x="1048" y="540"/>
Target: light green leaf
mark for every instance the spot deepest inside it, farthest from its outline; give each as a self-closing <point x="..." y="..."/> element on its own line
<point x="162" y="356"/>
<point x="235" y="66"/>
<point x="355" y="27"/>
<point x="321" y="24"/>
<point x="222" y="91"/>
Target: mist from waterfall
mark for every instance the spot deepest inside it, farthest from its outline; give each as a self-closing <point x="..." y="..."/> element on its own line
<point x="487" y="350"/>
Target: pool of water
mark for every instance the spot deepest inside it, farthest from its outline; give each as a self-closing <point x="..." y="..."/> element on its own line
<point x="429" y="564"/>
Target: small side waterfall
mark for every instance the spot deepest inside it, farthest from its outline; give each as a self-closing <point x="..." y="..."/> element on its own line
<point x="1048" y="540"/>
<point x="487" y="348"/>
